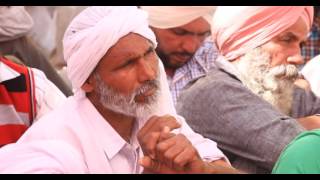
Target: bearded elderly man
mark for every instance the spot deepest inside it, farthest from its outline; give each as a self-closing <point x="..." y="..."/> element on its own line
<point x="249" y="104"/>
<point x="184" y="44"/>
<point x="121" y="115"/>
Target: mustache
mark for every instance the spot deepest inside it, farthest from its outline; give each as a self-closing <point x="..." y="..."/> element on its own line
<point x="184" y="54"/>
<point x="148" y="85"/>
<point x="286" y="71"/>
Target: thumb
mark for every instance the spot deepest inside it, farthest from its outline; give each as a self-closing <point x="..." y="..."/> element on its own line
<point x="150" y="164"/>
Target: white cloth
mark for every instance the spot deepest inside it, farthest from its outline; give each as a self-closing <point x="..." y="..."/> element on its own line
<point x="45" y="26"/>
<point x="15" y="22"/>
<point x="95" y="30"/>
<point x="165" y="17"/>
<point x="311" y="72"/>
<point x="83" y="134"/>
<point x="48" y="96"/>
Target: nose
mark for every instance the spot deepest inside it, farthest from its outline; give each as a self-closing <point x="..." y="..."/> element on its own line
<point x="146" y="71"/>
<point x="296" y="59"/>
<point x="191" y="43"/>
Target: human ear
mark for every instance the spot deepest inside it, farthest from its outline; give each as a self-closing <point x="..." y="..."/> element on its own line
<point x="88" y="86"/>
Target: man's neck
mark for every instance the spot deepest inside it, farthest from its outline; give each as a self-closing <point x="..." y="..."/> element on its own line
<point x="121" y="123"/>
<point x="170" y="72"/>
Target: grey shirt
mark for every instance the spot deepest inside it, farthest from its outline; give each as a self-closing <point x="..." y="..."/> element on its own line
<point x="247" y="128"/>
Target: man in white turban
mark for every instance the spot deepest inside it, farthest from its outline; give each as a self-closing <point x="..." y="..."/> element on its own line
<point x="121" y="118"/>
<point x="184" y="45"/>
<point x="249" y="104"/>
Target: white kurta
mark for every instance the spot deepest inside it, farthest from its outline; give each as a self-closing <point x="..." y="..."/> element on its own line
<point x="75" y="138"/>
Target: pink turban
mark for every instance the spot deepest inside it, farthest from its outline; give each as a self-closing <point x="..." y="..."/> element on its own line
<point x="239" y="29"/>
<point x="94" y="31"/>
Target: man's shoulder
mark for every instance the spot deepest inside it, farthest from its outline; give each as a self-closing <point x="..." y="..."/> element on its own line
<point x="215" y="80"/>
<point x="55" y="123"/>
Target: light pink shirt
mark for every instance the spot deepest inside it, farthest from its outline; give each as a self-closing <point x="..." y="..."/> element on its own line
<point x="75" y="138"/>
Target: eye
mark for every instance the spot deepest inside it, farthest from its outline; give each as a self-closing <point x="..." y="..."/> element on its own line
<point x="179" y="32"/>
<point x="205" y="34"/>
<point x="150" y="53"/>
<point x="127" y="63"/>
<point x="286" y="39"/>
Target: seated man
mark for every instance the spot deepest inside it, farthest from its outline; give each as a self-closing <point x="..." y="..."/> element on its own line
<point x="184" y="45"/>
<point x="301" y="156"/>
<point x="25" y="96"/>
<point x="249" y="104"/>
<point x="311" y="72"/>
<point x="14" y="27"/>
<point x="121" y="115"/>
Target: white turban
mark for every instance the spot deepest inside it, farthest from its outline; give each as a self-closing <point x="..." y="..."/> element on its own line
<point x="165" y="17"/>
<point x="15" y="22"/>
<point x="94" y="31"/>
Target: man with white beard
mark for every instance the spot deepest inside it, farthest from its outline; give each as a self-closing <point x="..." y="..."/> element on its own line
<point x="249" y="104"/>
<point x="121" y="118"/>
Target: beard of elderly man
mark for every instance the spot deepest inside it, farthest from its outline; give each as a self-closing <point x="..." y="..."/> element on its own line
<point x="273" y="84"/>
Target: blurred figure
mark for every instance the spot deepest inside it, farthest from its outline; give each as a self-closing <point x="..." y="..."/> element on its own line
<point x="15" y="25"/>
<point x="311" y="72"/>
<point x="25" y="96"/>
<point x="311" y="47"/>
<point x="301" y="156"/>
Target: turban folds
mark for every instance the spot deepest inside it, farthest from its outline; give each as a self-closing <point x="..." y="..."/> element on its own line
<point x="15" y="22"/>
<point x="165" y="17"/>
<point x="94" y="31"/>
<point x="237" y="30"/>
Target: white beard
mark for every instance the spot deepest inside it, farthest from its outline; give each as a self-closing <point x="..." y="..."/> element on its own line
<point x="275" y="85"/>
<point x="125" y="104"/>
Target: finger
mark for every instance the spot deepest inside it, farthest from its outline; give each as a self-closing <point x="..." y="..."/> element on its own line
<point x="165" y="133"/>
<point x="169" y="155"/>
<point x="188" y="155"/>
<point x="150" y="164"/>
<point x="147" y="126"/>
<point x="149" y="144"/>
<point x="164" y="146"/>
<point x="163" y="121"/>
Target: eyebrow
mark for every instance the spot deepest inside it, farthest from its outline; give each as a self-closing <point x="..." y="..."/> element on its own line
<point x="189" y="32"/>
<point x="131" y="56"/>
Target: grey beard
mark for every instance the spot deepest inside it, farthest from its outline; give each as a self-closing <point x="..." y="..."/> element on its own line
<point x="125" y="104"/>
<point x="275" y="85"/>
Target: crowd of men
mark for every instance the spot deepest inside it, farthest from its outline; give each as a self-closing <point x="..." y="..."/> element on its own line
<point x="160" y="89"/>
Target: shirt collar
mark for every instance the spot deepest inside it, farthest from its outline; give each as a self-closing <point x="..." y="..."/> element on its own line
<point x="108" y="138"/>
<point x="227" y="67"/>
<point x="6" y="73"/>
<point x="196" y="63"/>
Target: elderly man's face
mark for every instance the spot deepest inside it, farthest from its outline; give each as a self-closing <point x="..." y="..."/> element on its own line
<point x="126" y="79"/>
<point x="270" y="70"/>
<point x="285" y="48"/>
<point x="178" y="45"/>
